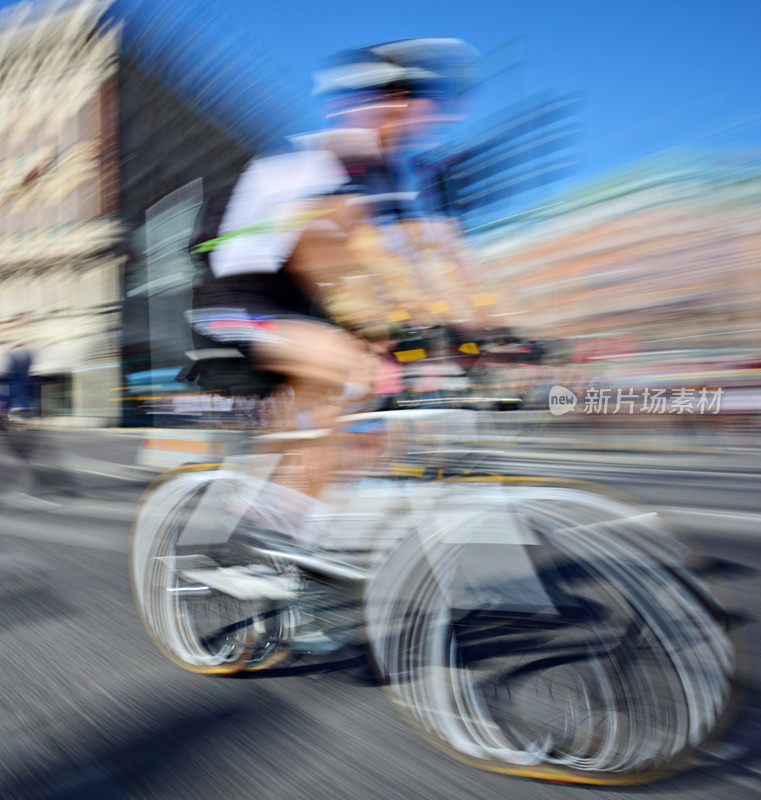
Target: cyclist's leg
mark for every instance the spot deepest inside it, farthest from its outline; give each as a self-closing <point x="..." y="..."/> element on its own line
<point x="323" y="369"/>
<point x="326" y="369"/>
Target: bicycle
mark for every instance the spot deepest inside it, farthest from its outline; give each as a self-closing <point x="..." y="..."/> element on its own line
<point x="535" y="627"/>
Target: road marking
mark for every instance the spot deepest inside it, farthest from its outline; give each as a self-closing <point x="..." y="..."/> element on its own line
<point x="52" y="531"/>
<point x="745" y="525"/>
<point x="48" y="526"/>
<point x="740" y="516"/>
<point x="183" y="445"/>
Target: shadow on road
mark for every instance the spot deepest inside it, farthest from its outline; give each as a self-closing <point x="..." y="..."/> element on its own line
<point x="127" y="765"/>
<point x="40" y="461"/>
<point x="351" y="660"/>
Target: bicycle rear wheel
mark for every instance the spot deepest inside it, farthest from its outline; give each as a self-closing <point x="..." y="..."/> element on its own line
<point x="551" y="632"/>
<point x="195" y="626"/>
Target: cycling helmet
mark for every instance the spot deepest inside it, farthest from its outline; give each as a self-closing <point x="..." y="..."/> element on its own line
<point x="437" y="68"/>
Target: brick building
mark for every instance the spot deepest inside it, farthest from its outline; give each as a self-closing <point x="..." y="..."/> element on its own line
<point x="665" y="255"/>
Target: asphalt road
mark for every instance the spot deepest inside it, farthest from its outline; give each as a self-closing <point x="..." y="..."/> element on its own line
<point x="90" y="709"/>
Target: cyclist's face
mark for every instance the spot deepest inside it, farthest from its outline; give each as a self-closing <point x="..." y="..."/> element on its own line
<point x="409" y="121"/>
<point x="416" y="115"/>
<point x="399" y="119"/>
<point x="419" y="125"/>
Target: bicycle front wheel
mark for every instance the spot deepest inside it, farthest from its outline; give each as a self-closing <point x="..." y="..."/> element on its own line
<point x="550" y="632"/>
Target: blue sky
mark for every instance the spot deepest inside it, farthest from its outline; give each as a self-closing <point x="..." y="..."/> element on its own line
<point x="652" y="74"/>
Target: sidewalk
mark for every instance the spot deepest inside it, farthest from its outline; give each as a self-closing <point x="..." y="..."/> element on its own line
<point x="529" y="429"/>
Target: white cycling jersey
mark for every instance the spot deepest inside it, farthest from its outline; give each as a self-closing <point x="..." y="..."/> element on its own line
<point x="273" y="196"/>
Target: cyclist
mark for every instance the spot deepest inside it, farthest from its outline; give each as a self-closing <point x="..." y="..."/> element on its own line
<point x="298" y="224"/>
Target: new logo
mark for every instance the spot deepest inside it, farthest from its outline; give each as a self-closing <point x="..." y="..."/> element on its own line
<point x="562" y="400"/>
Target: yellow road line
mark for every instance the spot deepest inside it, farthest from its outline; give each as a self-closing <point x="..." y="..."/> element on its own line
<point x="183" y="446"/>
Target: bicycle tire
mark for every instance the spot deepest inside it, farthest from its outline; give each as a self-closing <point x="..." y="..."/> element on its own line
<point x="411" y="631"/>
<point x="164" y="615"/>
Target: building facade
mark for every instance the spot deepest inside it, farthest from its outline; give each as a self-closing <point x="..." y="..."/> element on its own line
<point x="60" y="265"/>
<point x="665" y="256"/>
<point x="104" y="115"/>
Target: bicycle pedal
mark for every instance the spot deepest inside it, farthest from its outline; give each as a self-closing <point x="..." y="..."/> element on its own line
<point x="317" y="643"/>
<point x="240" y="583"/>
